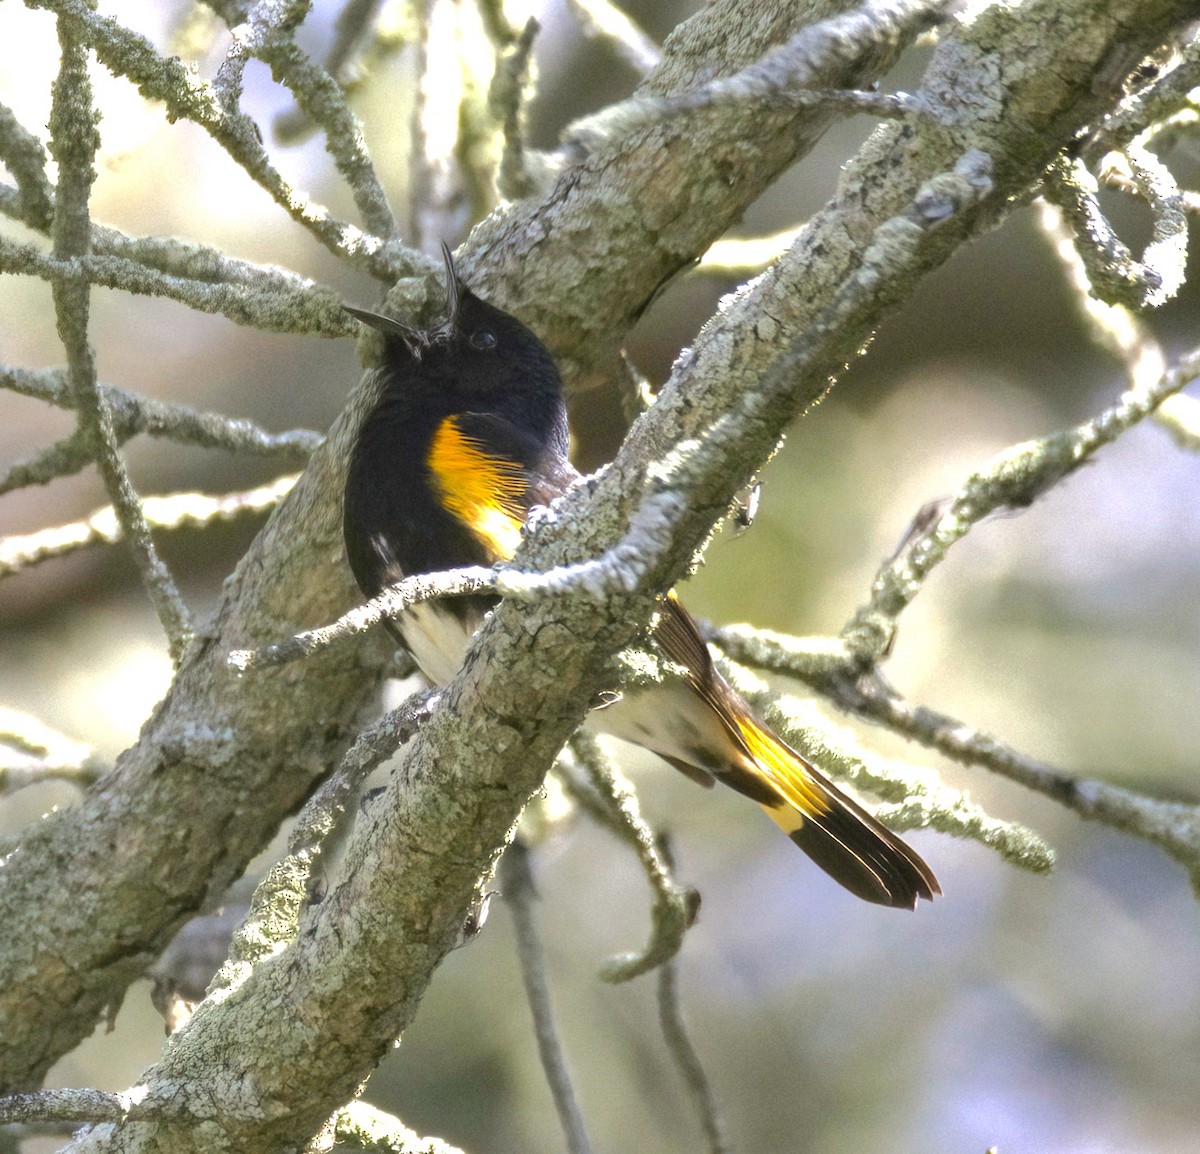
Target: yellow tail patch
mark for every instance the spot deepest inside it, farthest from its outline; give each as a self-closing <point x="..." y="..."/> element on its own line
<point x="784" y="768"/>
<point x="483" y="492"/>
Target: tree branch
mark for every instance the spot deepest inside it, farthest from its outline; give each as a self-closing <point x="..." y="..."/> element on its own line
<point x="104" y="527"/>
<point x="73" y="141"/>
<point x="124" y="53"/>
<point x="516" y="880"/>
<point x="357" y="969"/>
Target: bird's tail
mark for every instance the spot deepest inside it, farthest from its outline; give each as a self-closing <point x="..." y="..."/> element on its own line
<point x="835" y="831"/>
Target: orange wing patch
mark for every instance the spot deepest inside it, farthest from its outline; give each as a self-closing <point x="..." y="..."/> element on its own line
<point x="483" y="492"/>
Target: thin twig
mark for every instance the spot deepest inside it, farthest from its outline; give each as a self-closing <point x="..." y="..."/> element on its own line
<point x="44" y="754"/>
<point x="1012" y="480"/>
<point x="674" y="906"/>
<point x="391" y="602"/>
<point x="516" y="882"/>
<point x="507" y="97"/>
<point x="268" y="35"/>
<point x="371" y="748"/>
<point x="282" y="306"/>
<point x="104" y="527"/>
<point x="1122" y="333"/>
<point x="74" y="140"/>
<point x="603" y="20"/>
<point x="626" y="564"/>
<point x="344" y="62"/>
<point x="65" y="1106"/>
<point x="183" y="259"/>
<point x="1174" y="826"/>
<point x="1115" y="275"/>
<point x="781" y="77"/>
<point x="132" y="414"/>
<point x="913" y="797"/>
<point x="125" y="53"/>
<point x="24" y="156"/>
<point x="695" y="1077"/>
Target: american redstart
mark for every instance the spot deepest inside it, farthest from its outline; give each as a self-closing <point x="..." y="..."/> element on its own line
<point x="468" y="433"/>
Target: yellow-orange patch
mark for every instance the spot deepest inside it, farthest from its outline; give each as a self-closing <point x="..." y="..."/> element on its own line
<point x="783" y="767"/>
<point x="483" y="492"/>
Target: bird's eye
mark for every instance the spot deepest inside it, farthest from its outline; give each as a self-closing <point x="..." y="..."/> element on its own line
<point x="482" y="340"/>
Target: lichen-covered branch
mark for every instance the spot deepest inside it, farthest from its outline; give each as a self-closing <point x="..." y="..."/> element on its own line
<point x="104" y="527"/>
<point x="516" y="878"/>
<point x="73" y="142"/>
<point x="24" y="156"/>
<point x="674" y="906"/>
<point x="273" y="304"/>
<point x="390" y="603"/>
<point x="269" y="35"/>
<point x="133" y="414"/>
<point x="35" y="753"/>
<point x="577" y="263"/>
<point x="912" y="798"/>
<point x="784" y="76"/>
<point x="125" y="53"/>
<point x="1012" y="480"/>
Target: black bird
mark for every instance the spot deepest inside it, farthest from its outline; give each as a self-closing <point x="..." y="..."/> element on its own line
<point x="469" y="432"/>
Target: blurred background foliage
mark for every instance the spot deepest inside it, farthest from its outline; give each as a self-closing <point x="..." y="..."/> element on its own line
<point x="1056" y="1014"/>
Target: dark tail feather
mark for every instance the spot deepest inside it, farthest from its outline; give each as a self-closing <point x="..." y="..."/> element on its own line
<point x="835" y="831"/>
<point x="859" y="853"/>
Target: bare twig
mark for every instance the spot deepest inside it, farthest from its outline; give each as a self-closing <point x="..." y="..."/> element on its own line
<point x="389" y="603"/>
<point x="282" y="306"/>
<point x="674" y="907"/>
<point x="268" y="35"/>
<point x="125" y="53"/>
<point x="695" y="1077"/>
<point x="783" y="76"/>
<point x="25" y="157"/>
<point x="603" y="20"/>
<point x="104" y="527"/>
<point x="66" y="1106"/>
<point x="43" y="754"/>
<point x="74" y="140"/>
<point x="1013" y="480"/>
<point x="517" y="885"/>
